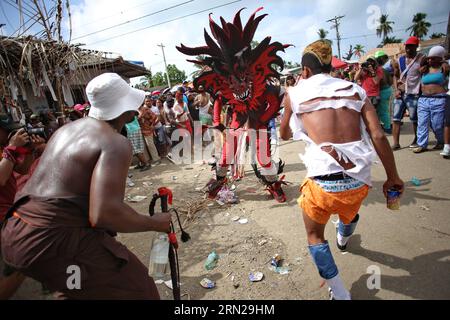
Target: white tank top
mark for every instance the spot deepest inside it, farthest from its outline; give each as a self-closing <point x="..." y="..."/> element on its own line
<point x="317" y="161"/>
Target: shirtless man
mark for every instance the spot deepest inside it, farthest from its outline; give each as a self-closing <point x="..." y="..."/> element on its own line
<point x="331" y="116"/>
<point x="65" y="217"/>
<point x="203" y="103"/>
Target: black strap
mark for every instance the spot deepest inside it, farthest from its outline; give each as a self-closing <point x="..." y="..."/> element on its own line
<point x="333" y="177"/>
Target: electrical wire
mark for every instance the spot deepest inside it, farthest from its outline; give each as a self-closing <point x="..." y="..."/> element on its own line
<point x="133" y="20"/>
<point x="164" y="22"/>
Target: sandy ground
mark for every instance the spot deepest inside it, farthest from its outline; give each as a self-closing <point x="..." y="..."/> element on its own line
<point x="411" y="247"/>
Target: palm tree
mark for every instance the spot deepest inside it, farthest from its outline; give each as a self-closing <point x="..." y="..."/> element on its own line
<point x="322" y="34"/>
<point x="349" y="54"/>
<point x="359" y="50"/>
<point x="420" y="25"/>
<point x="384" y="28"/>
<point x="391" y="40"/>
<point x="200" y="68"/>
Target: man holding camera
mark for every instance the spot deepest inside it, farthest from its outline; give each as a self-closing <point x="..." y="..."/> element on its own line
<point x="370" y="76"/>
<point x="16" y="156"/>
<point x="60" y="230"/>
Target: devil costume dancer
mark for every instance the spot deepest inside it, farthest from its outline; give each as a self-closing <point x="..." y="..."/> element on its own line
<point x="241" y="75"/>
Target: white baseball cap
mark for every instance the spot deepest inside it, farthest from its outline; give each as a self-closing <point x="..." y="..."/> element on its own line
<point x="437" y="51"/>
<point x="110" y="96"/>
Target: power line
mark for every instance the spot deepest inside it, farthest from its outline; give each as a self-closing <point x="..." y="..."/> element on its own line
<point x="359" y="36"/>
<point x="394" y="31"/>
<point x="136" y="19"/>
<point x="164" y="22"/>
<point x="25" y="11"/>
<point x="4" y="13"/>
<point x="118" y="13"/>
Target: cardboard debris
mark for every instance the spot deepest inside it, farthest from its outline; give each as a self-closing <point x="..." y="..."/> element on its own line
<point x="255" y="276"/>
<point x="243" y="221"/>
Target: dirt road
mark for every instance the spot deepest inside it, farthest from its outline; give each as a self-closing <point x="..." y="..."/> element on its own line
<point x="410" y="247"/>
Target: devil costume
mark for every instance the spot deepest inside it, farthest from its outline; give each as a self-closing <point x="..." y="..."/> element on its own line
<point x="237" y="73"/>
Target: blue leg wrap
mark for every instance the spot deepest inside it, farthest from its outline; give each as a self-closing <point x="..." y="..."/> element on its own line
<point x="346" y="230"/>
<point x="324" y="261"/>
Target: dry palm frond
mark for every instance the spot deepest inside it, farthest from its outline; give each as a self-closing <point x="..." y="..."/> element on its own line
<point x="191" y="208"/>
<point x="45" y="59"/>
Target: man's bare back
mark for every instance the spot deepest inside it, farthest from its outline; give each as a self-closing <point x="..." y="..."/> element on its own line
<point x="333" y="126"/>
<point x="71" y="155"/>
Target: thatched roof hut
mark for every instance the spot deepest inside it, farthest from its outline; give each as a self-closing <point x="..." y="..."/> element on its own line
<point x="47" y="72"/>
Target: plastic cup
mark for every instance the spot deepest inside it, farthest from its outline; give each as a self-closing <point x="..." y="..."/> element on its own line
<point x="393" y="199"/>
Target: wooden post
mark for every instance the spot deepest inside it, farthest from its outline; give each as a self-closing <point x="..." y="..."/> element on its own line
<point x="447" y="39"/>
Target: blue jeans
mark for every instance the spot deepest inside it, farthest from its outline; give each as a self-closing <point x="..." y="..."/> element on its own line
<point x="431" y="109"/>
<point x="408" y="101"/>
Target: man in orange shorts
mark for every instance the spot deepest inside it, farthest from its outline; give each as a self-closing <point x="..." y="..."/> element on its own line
<point x="343" y="135"/>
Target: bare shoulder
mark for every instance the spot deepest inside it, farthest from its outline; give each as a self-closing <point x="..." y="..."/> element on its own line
<point x="103" y="136"/>
<point x="115" y="143"/>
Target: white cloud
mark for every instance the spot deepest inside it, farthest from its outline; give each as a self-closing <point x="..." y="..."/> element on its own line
<point x="289" y="21"/>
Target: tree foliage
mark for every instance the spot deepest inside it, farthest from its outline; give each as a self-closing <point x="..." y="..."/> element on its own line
<point x="176" y="76"/>
<point x="384" y="27"/>
<point x="420" y="26"/>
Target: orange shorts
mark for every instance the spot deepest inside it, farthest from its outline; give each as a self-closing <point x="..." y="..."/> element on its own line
<point x="319" y="205"/>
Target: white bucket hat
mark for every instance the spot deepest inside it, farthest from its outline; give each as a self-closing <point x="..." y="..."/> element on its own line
<point x="437" y="51"/>
<point x="110" y="96"/>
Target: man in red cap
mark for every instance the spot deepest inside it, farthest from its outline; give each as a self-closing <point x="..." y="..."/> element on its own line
<point x="407" y="88"/>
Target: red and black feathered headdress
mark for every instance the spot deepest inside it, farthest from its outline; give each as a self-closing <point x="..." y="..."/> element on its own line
<point x="232" y="67"/>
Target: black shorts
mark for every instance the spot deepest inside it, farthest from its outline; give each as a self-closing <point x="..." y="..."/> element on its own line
<point x="447" y="112"/>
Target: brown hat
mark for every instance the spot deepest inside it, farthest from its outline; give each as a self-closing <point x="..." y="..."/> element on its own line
<point x="321" y="49"/>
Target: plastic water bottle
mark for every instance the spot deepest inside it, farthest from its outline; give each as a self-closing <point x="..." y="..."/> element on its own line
<point x="211" y="261"/>
<point x="159" y="256"/>
<point x="416" y="181"/>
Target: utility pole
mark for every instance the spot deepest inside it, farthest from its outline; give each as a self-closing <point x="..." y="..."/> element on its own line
<point x="447" y="38"/>
<point x="165" y="63"/>
<point x="336" y="22"/>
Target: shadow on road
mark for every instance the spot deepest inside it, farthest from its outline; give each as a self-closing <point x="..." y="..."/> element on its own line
<point x="412" y="195"/>
<point x="428" y="274"/>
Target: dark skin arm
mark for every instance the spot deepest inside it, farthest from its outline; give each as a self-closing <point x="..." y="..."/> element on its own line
<point x="382" y="148"/>
<point x="24" y="167"/>
<point x="285" y="130"/>
<point x="20" y="139"/>
<point x="395" y="79"/>
<point x="358" y="74"/>
<point x="107" y="209"/>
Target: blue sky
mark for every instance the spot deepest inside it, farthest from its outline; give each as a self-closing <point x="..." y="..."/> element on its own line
<point x="289" y="21"/>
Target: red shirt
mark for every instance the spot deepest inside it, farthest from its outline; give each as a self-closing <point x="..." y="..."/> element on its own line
<point x="21" y="180"/>
<point x="372" y="89"/>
